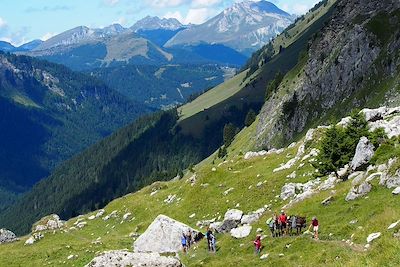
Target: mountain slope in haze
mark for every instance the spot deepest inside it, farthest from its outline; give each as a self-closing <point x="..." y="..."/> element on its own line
<point x="245" y="27"/>
<point x="49" y="113"/>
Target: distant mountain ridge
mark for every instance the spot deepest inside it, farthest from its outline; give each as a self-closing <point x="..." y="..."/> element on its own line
<point x="246" y="26"/>
<point x="156" y="23"/>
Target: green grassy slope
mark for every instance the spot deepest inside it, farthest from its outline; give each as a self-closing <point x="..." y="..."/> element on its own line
<point x="209" y="201"/>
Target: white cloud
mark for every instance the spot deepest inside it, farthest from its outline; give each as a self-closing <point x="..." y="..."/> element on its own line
<point x="47" y="36"/>
<point x="3" y="23"/>
<point x="205" y="3"/>
<point x="111" y="2"/>
<point x="166" y="3"/>
<point x="198" y="15"/>
<point x="194" y="15"/>
<point x="121" y="21"/>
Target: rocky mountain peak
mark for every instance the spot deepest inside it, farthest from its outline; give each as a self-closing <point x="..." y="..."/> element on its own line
<point x="155" y="23"/>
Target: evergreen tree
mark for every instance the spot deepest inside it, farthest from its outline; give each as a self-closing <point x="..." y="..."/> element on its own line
<point x="250" y="117"/>
<point x="229" y="133"/>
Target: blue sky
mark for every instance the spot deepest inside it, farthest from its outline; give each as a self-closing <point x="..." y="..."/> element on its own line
<point x="24" y="20"/>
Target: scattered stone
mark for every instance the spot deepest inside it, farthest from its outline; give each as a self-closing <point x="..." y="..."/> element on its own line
<point x="359" y="191"/>
<point x="292" y="175"/>
<point x="353" y="222"/>
<point x="226" y="192"/>
<point x="396" y="191"/>
<point x="373" y="176"/>
<point x="80" y="225"/>
<point x="259" y="230"/>
<point x="288" y="191"/>
<point x="162" y="236"/>
<point x="153" y="193"/>
<point x="71" y="257"/>
<point x="364" y="153"/>
<point x="344" y="122"/>
<point x="205" y="223"/>
<point x="393" y="225"/>
<point x="214" y="169"/>
<point x="100" y="213"/>
<point x="192" y="215"/>
<point x="264" y="256"/>
<point x="170" y="199"/>
<point x="241" y="232"/>
<point x="33" y="238"/>
<point x="124" y="259"/>
<point x="92" y="217"/>
<point x="250" y="154"/>
<point x="373" y="236"/>
<point x="126" y="216"/>
<point x="6" y="236"/>
<point x="343" y="172"/>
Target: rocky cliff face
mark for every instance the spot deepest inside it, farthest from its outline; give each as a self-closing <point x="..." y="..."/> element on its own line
<point x="349" y="65"/>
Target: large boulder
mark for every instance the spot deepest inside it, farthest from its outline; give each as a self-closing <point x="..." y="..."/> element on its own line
<point x="241" y="231"/>
<point x="162" y="236"/>
<point x="364" y="153"/>
<point x="252" y="217"/>
<point x="231" y="220"/>
<point x="7" y="236"/>
<point x="359" y="191"/>
<point x="122" y="258"/>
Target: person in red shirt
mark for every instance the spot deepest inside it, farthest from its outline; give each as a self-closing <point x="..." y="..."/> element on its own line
<point x="283" y="222"/>
<point x="315" y="225"/>
<point x="257" y="244"/>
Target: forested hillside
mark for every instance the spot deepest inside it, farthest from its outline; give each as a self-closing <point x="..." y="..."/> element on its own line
<point x="49" y="113"/>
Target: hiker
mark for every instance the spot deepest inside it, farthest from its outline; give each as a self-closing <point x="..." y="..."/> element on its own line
<point x="210" y="238"/>
<point x="184" y="243"/>
<point x="189" y="239"/>
<point x="315" y="225"/>
<point x="293" y="223"/>
<point x="271" y="222"/>
<point x="213" y="243"/>
<point x="257" y="244"/>
<point x="283" y="222"/>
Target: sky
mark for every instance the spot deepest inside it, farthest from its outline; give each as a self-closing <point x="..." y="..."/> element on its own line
<point x="24" y="20"/>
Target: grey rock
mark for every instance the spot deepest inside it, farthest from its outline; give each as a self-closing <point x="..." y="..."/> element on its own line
<point x="396" y="191"/>
<point x="288" y="191"/>
<point x="389" y="180"/>
<point x="6" y="236"/>
<point x="241" y="231"/>
<point x="364" y="153"/>
<point x="162" y="236"/>
<point x="359" y="191"/>
<point x="122" y="258"/>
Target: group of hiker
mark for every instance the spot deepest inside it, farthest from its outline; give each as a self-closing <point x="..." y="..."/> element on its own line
<point x="281" y="225"/>
<point x="188" y="239"/>
<point x="284" y="225"/>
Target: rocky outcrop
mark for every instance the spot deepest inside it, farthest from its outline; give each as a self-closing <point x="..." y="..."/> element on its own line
<point x="252" y="217"/>
<point x="51" y="222"/>
<point x="162" y="236"/>
<point x="7" y="236"/>
<point x="122" y="258"/>
<point x="364" y="153"/>
<point x="339" y="64"/>
<point x="359" y="191"/>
